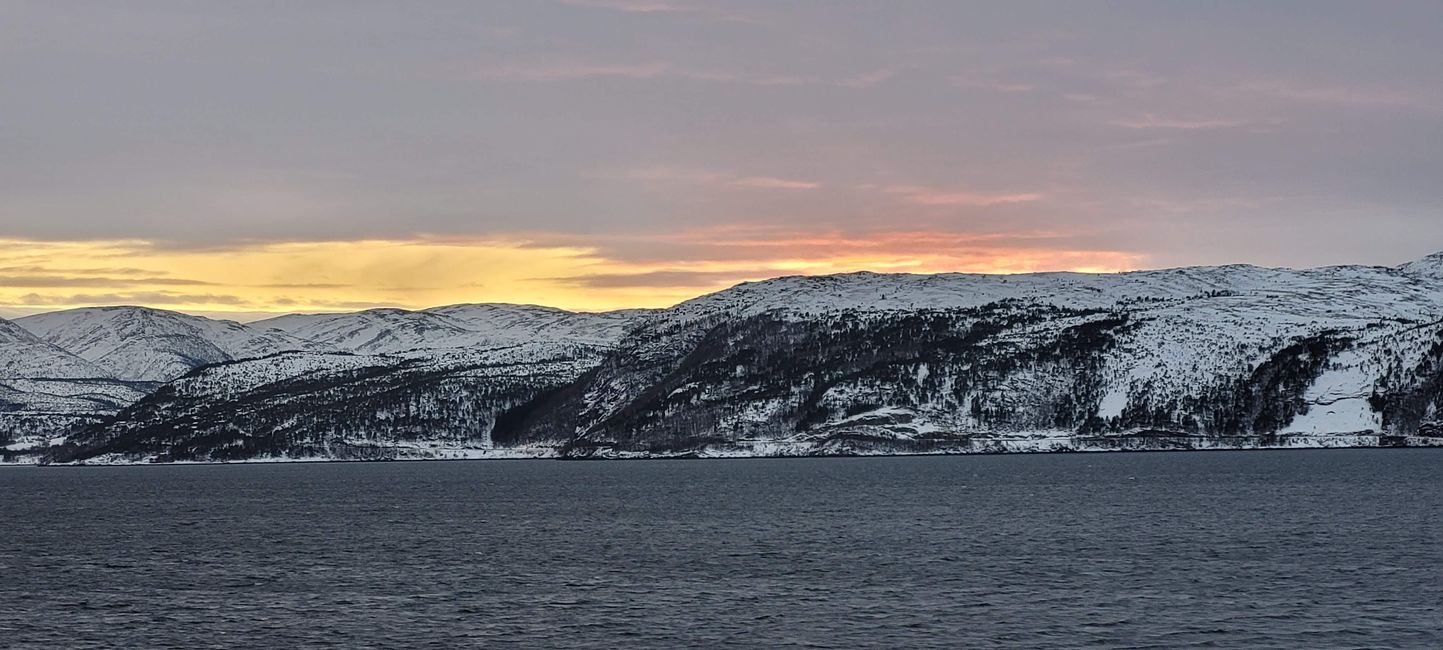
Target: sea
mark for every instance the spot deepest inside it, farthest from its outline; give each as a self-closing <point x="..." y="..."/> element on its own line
<point x="1242" y="549"/>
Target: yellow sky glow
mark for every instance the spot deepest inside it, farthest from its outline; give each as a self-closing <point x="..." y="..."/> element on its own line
<point x="250" y="281"/>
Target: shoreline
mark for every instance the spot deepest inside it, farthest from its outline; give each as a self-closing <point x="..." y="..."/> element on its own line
<point x="1437" y="444"/>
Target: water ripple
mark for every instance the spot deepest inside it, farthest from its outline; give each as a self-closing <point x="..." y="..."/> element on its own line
<point x="1259" y="549"/>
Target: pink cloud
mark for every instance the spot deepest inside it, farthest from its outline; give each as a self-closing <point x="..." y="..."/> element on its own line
<point x="709" y="258"/>
<point x="562" y="72"/>
<point x="1357" y="96"/>
<point x="705" y="11"/>
<point x="930" y="196"/>
<point x="983" y="82"/>
<point x="767" y="182"/>
<point x="632" y="6"/>
<point x="571" y="70"/>
<point x="667" y="174"/>
<point x="1150" y="121"/>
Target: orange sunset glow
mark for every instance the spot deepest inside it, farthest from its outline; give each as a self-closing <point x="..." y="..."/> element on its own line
<point x="243" y="161"/>
<point x="251" y="281"/>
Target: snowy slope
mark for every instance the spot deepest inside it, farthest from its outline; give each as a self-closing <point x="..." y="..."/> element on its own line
<point x="308" y="405"/>
<point x="375" y="331"/>
<point x="1203" y="357"/>
<point x="1430" y="267"/>
<point x="519" y="323"/>
<point x="391" y="331"/>
<point x="1238" y="352"/>
<point x="46" y="391"/>
<point x="1405" y="291"/>
<point x="144" y="344"/>
<point x="1191" y="323"/>
<point x="24" y="355"/>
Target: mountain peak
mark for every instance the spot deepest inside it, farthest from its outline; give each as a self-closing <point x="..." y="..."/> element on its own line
<point x="482" y="325"/>
<point x="1430" y="266"/>
<point x="24" y="355"/>
<point x="146" y="344"/>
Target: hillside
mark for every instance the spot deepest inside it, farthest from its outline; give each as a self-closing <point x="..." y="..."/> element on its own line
<point x="145" y="344"/>
<point x="1206" y="357"/>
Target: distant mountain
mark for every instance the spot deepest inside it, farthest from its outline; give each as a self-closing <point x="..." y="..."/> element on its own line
<point x="392" y="331"/>
<point x="524" y="323"/>
<point x="144" y="344"/>
<point x="46" y="391"/>
<point x="374" y="331"/>
<point x="25" y="355"/>
<point x="862" y="363"/>
<point x="1430" y="267"/>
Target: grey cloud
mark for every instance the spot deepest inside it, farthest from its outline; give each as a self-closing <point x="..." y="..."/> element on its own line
<point x="166" y="122"/>
<point x="38" y="269"/>
<point x="136" y="298"/>
<point x="74" y="281"/>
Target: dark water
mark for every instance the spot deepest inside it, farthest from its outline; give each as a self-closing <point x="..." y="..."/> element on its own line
<point x="1300" y="549"/>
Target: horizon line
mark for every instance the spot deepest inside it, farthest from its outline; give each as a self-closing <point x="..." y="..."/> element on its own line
<point x="240" y="316"/>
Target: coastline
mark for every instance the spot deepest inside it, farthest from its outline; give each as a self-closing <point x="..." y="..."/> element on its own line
<point x="774" y="450"/>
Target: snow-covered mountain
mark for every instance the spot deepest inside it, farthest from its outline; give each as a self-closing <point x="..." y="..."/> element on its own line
<point x="1206" y="357"/>
<point x="1234" y="355"/>
<point x="1429" y="267"/>
<point x="502" y="324"/>
<point x="25" y="355"/>
<point x="145" y="344"/>
<point x="46" y="391"/>
<point x="1407" y="289"/>
<point x="338" y="406"/>
<point x="374" y="331"/>
<point x="131" y="350"/>
<point x="392" y="331"/>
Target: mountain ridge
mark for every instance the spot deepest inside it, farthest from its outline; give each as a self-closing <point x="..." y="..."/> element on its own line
<point x="1193" y="357"/>
<point x="146" y="344"/>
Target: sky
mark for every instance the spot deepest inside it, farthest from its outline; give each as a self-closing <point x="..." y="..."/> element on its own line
<point x="247" y="158"/>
